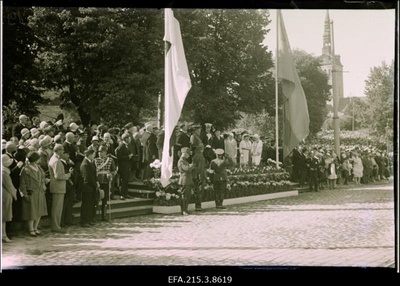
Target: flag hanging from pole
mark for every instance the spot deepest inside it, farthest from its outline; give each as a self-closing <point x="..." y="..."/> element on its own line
<point x="296" y="118"/>
<point x="177" y="85"/>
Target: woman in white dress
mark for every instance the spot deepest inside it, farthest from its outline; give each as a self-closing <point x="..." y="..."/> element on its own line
<point x="357" y="168"/>
<point x="231" y="147"/>
<point x="256" y="150"/>
<point x="244" y="149"/>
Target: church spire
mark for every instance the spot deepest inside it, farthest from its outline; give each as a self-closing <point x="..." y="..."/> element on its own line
<point x="326" y="49"/>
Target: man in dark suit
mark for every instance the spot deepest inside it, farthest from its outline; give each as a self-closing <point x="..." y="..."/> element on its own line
<point x="150" y="151"/>
<point x="312" y="166"/>
<point x="182" y="139"/>
<point x="90" y="187"/>
<point x="17" y="127"/>
<point x="124" y="157"/>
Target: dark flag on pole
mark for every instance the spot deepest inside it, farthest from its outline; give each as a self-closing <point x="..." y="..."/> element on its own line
<point x="295" y="117"/>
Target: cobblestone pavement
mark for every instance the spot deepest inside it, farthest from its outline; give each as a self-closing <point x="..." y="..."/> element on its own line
<point x="342" y="227"/>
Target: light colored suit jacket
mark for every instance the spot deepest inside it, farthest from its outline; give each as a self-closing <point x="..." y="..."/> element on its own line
<point x="58" y="177"/>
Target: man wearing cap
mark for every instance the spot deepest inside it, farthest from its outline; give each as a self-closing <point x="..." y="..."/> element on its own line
<point x="105" y="170"/>
<point x="90" y="187"/>
<point x="217" y="141"/>
<point x="21" y="124"/>
<point x="124" y="157"/>
<point x="218" y="168"/>
<point x="185" y="179"/>
<point x="58" y="180"/>
<point x="182" y="139"/>
<point x="195" y="139"/>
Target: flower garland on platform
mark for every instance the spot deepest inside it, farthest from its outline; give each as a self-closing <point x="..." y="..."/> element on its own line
<point x="242" y="182"/>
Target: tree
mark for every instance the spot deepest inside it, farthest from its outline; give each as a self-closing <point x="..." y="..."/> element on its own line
<point x="379" y="89"/>
<point x="22" y="84"/>
<point x="229" y="66"/>
<point x="316" y="88"/>
<point x="105" y="61"/>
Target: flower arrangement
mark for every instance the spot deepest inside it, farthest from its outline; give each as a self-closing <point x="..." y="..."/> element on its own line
<point x="247" y="181"/>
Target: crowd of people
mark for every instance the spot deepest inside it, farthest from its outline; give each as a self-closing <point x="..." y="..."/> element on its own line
<point x="48" y="166"/>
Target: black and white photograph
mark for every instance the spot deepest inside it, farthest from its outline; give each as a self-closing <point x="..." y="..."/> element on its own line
<point x="217" y="144"/>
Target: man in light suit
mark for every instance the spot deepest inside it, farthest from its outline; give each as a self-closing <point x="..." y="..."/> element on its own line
<point x="58" y="180"/>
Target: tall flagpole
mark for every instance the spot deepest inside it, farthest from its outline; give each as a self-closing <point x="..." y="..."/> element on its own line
<point x="276" y="96"/>
<point x="335" y="97"/>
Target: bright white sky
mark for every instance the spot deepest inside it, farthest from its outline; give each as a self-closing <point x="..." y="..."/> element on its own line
<point x="363" y="39"/>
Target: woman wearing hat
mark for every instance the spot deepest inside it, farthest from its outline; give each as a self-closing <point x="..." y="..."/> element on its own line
<point x="218" y="168"/>
<point x="244" y="149"/>
<point x="33" y="188"/>
<point x="358" y="168"/>
<point x="9" y="192"/>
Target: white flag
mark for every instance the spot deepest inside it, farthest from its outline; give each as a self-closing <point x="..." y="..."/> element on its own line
<point x="177" y="86"/>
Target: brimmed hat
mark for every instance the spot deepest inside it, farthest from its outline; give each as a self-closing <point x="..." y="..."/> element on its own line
<point x="46" y="141"/>
<point x="58" y="147"/>
<point x="25" y="131"/>
<point x="57" y="137"/>
<point x="33" y="156"/>
<point x="256" y="136"/>
<point x="6" y="160"/>
<point x="58" y="123"/>
<point x="73" y="126"/>
<point x="43" y="124"/>
<point x="35" y="132"/>
<point x="219" y="151"/>
<point x="34" y="142"/>
<point x="95" y="138"/>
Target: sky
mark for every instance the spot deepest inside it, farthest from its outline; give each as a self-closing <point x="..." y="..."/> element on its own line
<point x="362" y="38"/>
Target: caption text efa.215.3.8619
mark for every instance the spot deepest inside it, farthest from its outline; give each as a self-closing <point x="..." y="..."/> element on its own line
<point x="200" y="279"/>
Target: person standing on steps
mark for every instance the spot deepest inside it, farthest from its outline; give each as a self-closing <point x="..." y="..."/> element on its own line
<point x="199" y="175"/>
<point x="185" y="179"/>
<point x="9" y="193"/>
<point x="90" y="189"/>
<point x="218" y="168"/>
<point x="58" y="185"/>
<point x="124" y="158"/>
<point x="105" y="169"/>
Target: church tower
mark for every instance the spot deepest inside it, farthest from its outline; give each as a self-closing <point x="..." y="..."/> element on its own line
<point x="327" y="63"/>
